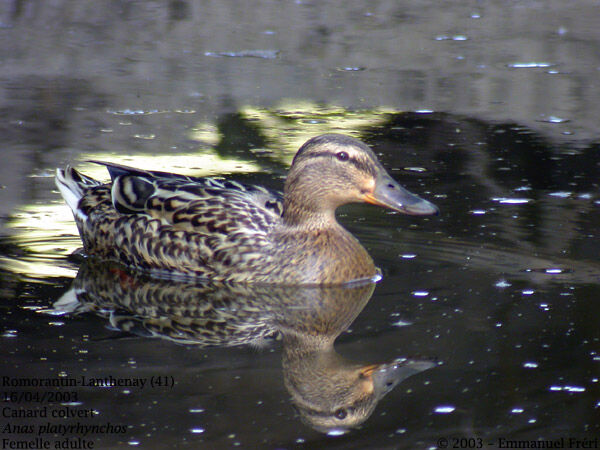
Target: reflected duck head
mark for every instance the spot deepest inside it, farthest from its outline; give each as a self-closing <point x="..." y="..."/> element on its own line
<point x="332" y="170"/>
<point x="334" y="395"/>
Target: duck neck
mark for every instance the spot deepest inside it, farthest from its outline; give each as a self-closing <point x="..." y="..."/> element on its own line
<point x="307" y="214"/>
<point x="305" y="206"/>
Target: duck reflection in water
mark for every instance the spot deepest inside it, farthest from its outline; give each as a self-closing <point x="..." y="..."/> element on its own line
<point x="330" y="392"/>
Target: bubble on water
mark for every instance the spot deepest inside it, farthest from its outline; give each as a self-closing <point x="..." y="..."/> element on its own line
<point x="336" y="432"/>
<point x="517" y="410"/>
<point x="351" y="69"/>
<point x="561" y="194"/>
<point x="511" y="201"/>
<point x="420" y="293"/>
<point x="527" y="292"/>
<point x="408" y="256"/>
<point x="529" y="65"/>
<point x="530" y="365"/>
<point x="502" y="284"/>
<point x="197" y="430"/>
<point x="444" y="409"/>
<point x="573" y="389"/>
<point x="456" y="37"/>
<point x="554" y="119"/>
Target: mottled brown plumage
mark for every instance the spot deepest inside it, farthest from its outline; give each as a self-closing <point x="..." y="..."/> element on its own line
<point x="226" y="231"/>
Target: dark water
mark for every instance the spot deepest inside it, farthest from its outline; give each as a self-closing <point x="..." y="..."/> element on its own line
<point x="487" y="315"/>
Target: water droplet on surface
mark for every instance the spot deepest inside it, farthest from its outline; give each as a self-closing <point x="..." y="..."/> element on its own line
<point x="517" y="410"/>
<point x="197" y="430"/>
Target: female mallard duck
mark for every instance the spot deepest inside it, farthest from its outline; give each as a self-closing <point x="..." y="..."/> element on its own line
<point x="227" y="231"/>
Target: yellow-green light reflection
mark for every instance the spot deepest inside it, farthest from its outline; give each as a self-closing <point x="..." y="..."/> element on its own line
<point x="45" y="232"/>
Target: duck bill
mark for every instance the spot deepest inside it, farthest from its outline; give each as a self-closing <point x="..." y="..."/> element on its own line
<point x="388" y="193"/>
<point x="387" y="376"/>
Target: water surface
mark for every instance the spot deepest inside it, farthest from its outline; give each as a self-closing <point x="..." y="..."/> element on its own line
<point x="497" y="296"/>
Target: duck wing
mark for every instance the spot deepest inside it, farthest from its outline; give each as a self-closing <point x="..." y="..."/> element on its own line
<point x="202" y="205"/>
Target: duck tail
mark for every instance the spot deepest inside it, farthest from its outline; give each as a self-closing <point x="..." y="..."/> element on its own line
<point x="72" y="186"/>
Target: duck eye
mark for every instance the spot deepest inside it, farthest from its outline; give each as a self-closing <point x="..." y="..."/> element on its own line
<point x="342" y="156"/>
<point x="340" y="414"/>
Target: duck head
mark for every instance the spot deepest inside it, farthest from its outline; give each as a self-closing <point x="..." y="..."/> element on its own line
<point x="332" y="170"/>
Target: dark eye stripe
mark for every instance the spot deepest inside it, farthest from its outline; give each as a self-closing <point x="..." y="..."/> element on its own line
<point x="360" y="165"/>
